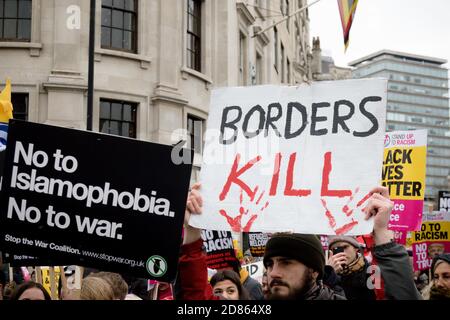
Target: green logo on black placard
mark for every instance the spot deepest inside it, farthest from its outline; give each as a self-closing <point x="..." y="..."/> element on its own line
<point x="156" y="266"/>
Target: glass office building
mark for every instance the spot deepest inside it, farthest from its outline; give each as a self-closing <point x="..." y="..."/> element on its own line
<point x="418" y="98"/>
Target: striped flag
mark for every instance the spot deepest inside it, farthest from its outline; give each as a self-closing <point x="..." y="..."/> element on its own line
<point x="347" y="10"/>
<point x="3" y="136"/>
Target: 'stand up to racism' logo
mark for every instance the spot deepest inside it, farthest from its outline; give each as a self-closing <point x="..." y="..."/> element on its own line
<point x="387" y="141"/>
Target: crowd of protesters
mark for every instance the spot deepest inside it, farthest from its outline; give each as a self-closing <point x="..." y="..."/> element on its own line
<point x="296" y="267"/>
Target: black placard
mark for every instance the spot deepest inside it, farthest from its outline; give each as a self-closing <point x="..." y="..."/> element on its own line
<point x="219" y="249"/>
<point x="444" y="201"/>
<point x="102" y="201"/>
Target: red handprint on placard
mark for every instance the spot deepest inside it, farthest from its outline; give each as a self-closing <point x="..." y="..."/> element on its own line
<point x="349" y="212"/>
<point x="236" y="222"/>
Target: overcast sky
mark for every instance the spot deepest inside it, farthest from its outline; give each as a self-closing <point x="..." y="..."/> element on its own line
<point x="413" y="26"/>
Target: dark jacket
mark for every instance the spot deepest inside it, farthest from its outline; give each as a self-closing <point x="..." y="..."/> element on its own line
<point x="353" y="286"/>
<point x="321" y="292"/>
<point x="253" y="288"/>
<point x="396" y="272"/>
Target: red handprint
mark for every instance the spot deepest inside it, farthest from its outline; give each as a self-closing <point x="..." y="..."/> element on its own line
<point x="345" y="210"/>
<point x="236" y="222"/>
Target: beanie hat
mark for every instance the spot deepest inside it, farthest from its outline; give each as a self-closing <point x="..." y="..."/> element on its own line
<point x="351" y="240"/>
<point x="305" y="248"/>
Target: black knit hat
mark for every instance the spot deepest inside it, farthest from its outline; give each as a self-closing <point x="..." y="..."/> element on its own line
<point x="305" y="248"/>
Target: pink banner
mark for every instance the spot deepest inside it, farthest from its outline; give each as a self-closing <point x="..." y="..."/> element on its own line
<point x="406" y="215"/>
<point x="423" y="253"/>
<point x="400" y="237"/>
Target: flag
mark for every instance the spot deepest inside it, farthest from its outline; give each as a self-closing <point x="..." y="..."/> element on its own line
<point x="347" y="10"/>
<point x="6" y="110"/>
<point x="3" y="136"/>
<point x="6" y="107"/>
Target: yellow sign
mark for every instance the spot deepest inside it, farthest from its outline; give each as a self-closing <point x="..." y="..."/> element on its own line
<point x="432" y="231"/>
<point x="404" y="172"/>
<point x="46" y="280"/>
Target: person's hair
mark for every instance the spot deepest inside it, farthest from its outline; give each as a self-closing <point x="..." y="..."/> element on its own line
<point x="18" y="291"/>
<point x="95" y="288"/>
<point x="115" y="280"/>
<point x="437" y="260"/>
<point x="224" y="275"/>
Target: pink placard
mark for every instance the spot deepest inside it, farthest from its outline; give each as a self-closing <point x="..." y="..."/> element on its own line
<point x="406" y="215"/>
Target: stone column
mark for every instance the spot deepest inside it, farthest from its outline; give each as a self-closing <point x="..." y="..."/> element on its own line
<point x="67" y="82"/>
<point x="167" y="102"/>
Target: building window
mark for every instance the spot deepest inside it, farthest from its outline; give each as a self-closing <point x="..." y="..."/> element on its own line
<point x="118" y="118"/>
<point x="20" y="105"/>
<point x="194" y="27"/>
<point x="195" y="134"/>
<point x="15" y="20"/>
<point x="275" y="43"/>
<point x="119" y="25"/>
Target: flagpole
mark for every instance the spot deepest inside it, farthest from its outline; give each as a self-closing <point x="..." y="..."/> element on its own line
<point x="285" y="18"/>
<point x="90" y="97"/>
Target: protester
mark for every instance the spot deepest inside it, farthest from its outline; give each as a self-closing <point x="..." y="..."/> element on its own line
<point x="30" y="291"/>
<point x="95" y="288"/>
<point x="440" y="268"/>
<point x="265" y="286"/>
<point x="295" y="263"/>
<point x="192" y="280"/>
<point x="161" y="291"/>
<point x="227" y="284"/>
<point x="115" y="280"/>
<point x="351" y="268"/>
<point x="252" y="286"/>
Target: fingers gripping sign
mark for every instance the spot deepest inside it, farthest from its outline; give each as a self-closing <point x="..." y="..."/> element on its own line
<point x="379" y="206"/>
<point x="194" y="205"/>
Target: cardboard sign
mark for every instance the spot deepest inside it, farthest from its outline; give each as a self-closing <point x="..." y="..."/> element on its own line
<point x="403" y="174"/>
<point x="433" y="239"/>
<point x="255" y="270"/>
<point x="403" y="238"/>
<point x="48" y="283"/>
<point x="110" y="203"/>
<point x="444" y="201"/>
<point x="257" y="243"/>
<point x="300" y="159"/>
<point x="220" y="252"/>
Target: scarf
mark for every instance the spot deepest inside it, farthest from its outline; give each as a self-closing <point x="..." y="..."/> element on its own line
<point x="356" y="266"/>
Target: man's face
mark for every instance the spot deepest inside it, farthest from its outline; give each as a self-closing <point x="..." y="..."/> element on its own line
<point x="435" y="249"/>
<point x="349" y="250"/>
<point x="288" y="278"/>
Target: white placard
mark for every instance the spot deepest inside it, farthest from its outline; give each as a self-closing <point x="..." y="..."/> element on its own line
<point x="299" y="159"/>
